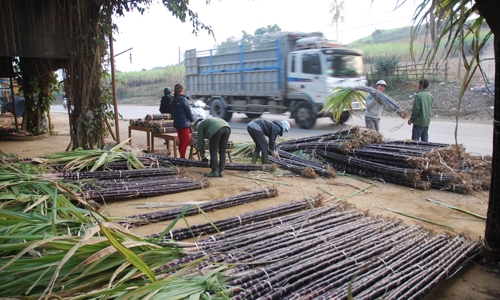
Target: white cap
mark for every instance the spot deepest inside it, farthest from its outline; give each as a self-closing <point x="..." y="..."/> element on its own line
<point x="286" y="126"/>
<point x="381" y="82"/>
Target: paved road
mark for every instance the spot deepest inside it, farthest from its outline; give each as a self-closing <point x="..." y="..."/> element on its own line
<point x="477" y="138"/>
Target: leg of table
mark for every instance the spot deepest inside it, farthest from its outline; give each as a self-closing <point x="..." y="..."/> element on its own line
<point x="148" y="138"/>
<point x="129" y="135"/>
<point x="175" y="146"/>
<point x="152" y="144"/>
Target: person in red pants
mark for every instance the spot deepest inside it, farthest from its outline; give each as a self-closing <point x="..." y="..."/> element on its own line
<point x="183" y="117"/>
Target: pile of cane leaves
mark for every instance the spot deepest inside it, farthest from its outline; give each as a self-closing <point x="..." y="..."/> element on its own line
<point x="93" y="160"/>
<point x="54" y="245"/>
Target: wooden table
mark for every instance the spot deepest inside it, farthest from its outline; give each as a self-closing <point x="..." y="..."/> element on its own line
<point x="140" y="128"/>
<point x="167" y="137"/>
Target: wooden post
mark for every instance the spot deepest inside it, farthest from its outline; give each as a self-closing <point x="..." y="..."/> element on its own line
<point x="13" y="96"/>
<point x="113" y="76"/>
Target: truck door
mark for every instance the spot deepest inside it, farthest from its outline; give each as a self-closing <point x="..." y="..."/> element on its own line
<point x="314" y="82"/>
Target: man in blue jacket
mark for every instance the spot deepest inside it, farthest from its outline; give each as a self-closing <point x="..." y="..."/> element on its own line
<point x="259" y="129"/>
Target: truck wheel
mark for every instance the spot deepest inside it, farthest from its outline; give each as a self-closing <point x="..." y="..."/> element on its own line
<point x="218" y="110"/>
<point x="343" y="117"/>
<point x="253" y="116"/>
<point x="305" y="118"/>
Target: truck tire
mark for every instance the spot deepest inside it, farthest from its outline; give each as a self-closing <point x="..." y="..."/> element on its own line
<point x="343" y="117"/>
<point x="253" y="116"/>
<point x="219" y="110"/>
<point x="305" y="118"/>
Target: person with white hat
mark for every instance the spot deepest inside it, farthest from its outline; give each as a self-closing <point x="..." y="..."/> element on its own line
<point x="374" y="107"/>
<point x="258" y="130"/>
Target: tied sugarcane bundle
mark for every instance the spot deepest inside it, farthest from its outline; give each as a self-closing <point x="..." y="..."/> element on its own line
<point x="243" y="219"/>
<point x="388" y="101"/>
<point x="241" y="199"/>
<point x="151" y="117"/>
<point x="162" y="123"/>
<point x="164" y="130"/>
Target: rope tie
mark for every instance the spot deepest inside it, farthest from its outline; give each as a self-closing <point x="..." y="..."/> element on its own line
<point x="270" y="286"/>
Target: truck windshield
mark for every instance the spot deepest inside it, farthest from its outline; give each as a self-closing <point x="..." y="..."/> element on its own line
<point x="344" y="65"/>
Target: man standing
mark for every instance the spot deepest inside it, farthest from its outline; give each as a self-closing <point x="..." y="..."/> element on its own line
<point x="374" y="108"/>
<point x="217" y="131"/>
<point x="165" y="101"/>
<point x="258" y="130"/>
<point x="421" y="112"/>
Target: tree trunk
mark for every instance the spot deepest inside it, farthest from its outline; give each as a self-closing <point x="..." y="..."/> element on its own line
<point x="489" y="10"/>
<point x="492" y="234"/>
<point x="88" y="117"/>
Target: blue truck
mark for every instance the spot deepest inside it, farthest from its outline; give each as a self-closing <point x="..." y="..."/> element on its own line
<point x="276" y="73"/>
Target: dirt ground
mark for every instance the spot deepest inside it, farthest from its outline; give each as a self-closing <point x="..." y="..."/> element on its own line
<point x="476" y="281"/>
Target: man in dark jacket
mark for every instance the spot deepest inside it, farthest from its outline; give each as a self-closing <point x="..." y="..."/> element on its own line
<point x="217" y="131"/>
<point x="165" y="101"/>
<point x="259" y="129"/>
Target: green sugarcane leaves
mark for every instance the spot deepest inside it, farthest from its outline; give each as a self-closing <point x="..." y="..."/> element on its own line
<point x="341" y="99"/>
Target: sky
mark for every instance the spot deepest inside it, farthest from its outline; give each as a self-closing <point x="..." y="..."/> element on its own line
<point x="158" y="39"/>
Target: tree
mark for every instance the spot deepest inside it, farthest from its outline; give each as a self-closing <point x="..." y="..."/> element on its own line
<point x="454" y="27"/>
<point x="231" y="43"/>
<point x="337" y="9"/>
<point x="75" y="40"/>
<point x="267" y="29"/>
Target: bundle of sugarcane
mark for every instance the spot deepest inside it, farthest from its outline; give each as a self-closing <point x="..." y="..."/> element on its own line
<point x="163" y="123"/>
<point x="134" y="182"/>
<point x="135" y="122"/>
<point x="387" y="100"/>
<point x="143" y="189"/>
<point x="164" y="130"/>
<point x="240" y="220"/>
<point x="168" y="160"/>
<point x="287" y="164"/>
<point x="240" y="199"/>
<point x="302" y="166"/>
<point x="151" y="117"/>
<point x="120" y="173"/>
<point x="461" y="188"/>
<point x="339" y="135"/>
<point x="409" y="174"/>
<point x="341" y="169"/>
<point x="322" y="254"/>
<point x="383" y="157"/>
<point x="260" y="233"/>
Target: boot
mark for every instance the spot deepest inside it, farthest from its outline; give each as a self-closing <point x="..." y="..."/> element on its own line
<point x="265" y="160"/>
<point x="221" y="173"/>
<point x="214" y="173"/>
<point x="254" y="158"/>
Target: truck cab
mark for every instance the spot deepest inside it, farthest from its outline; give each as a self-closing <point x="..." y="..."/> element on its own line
<point x="314" y="73"/>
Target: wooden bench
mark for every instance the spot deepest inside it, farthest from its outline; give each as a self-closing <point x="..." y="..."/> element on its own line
<point x="139" y="128"/>
<point x="168" y="137"/>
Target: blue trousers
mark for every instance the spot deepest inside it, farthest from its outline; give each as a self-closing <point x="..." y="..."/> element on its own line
<point x="420" y="133"/>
